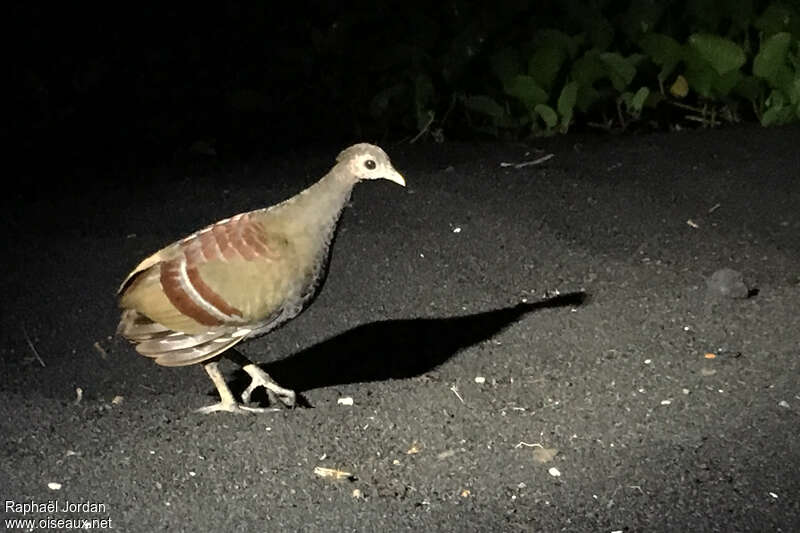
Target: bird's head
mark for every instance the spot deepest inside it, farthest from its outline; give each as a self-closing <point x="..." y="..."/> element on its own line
<point x="368" y="162"/>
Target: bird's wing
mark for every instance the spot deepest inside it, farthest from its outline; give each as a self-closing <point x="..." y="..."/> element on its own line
<point x="231" y="275"/>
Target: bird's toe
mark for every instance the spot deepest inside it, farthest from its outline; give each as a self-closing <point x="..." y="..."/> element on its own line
<point x="275" y="392"/>
<point x="233" y="407"/>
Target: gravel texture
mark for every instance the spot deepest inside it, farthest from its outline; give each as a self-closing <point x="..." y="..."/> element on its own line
<point x="527" y="349"/>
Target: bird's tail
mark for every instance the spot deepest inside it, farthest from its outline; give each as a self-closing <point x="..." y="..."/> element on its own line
<point x="174" y="348"/>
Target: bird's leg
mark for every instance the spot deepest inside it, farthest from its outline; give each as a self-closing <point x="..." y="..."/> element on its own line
<point x="259" y="378"/>
<point x="227" y="401"/>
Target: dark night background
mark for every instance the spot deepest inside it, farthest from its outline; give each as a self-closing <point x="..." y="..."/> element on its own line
<point x="144" y="83"/>
<point x="148" y="80"/>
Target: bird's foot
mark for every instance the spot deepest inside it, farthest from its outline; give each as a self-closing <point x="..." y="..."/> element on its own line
<point x="234" y="407"/>
<point x="275" y="392"/>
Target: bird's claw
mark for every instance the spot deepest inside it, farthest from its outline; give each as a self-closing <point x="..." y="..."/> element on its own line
<point x="274" y="391"/>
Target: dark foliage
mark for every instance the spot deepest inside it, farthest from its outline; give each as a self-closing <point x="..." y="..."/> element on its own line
<point x="157" y="80"/>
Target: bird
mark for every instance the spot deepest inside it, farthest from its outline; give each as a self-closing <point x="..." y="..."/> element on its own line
<point x="241" y="277"/>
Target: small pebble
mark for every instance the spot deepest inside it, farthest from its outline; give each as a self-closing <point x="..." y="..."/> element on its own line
<point x="480" y="379"/>
<point x="727" y="283"/>
<point x="445" y="454"/>
<point x="53" y="485"/>
<point x="345" y="401"/>
<point x="784" y="403"/>
<point x="544" y="455"/>
<point x="553" y="471"/>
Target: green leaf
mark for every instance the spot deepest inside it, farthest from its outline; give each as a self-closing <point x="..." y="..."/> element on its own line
<point x="772" y="56"/>
<point x="794" y="58"/>
<point x="785" y="77"/>
<point x="776" y="115"/>
<point x="723" y="54"/>
<point x="775" y="99"/>
<point x="779" y="109"/>
<point x="548" y="115"/>
<point x="701" y="81"/>
<point x="566" y="104"/>
<point x="637" y="102"/>
<point x="723" y="85"/>
<point x="619" y="70"/>
<point x="709" y="84"/>
<point x="526" y="90"/>
<point x="484" y="105"/>
<point x="588" y="68"/>
<point x="662" y="50"/>
<point x="778" y="18"/>
<point x="794" y="93"/>
<point x="567" y="98"/>
<point x="750" y="88"/>
<point x="587" y="97"/>
<point x="545" y="64"/>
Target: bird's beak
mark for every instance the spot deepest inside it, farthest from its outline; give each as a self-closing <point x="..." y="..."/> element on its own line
<point x="396" y="177"/>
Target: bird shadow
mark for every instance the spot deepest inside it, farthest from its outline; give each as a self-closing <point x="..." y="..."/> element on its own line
<point x="394" y="349"/>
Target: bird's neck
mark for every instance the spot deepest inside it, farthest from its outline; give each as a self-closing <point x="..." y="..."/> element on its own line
<point x="317" y="209"/>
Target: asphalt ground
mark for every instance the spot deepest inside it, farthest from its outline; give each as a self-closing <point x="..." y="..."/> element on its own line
<point x="539" y="347"/>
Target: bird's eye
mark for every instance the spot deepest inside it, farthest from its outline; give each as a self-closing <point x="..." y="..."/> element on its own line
<point x="370" y="164"/>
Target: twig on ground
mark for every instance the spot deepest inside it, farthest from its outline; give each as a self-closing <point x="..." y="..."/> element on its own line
<point x="524" y="164"/>
<point x="32" y="347"/>
<point x="424" y="129"/>
<point x="523" y="443"/>
<point x="455" y="391"/>
<point x="332" y="473"/>
<point x="637" y="487"/>
<point x="102" y="351"/>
